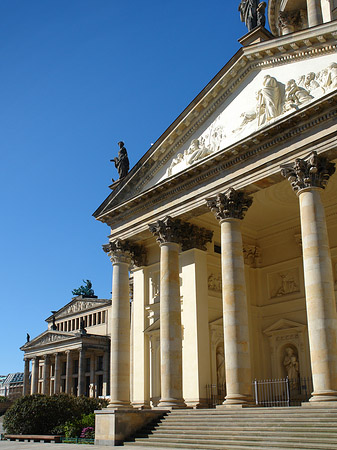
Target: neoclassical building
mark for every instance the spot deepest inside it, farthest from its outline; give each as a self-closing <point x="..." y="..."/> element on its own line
<point x="228" y="226"/>
<point x="72" y="355"/>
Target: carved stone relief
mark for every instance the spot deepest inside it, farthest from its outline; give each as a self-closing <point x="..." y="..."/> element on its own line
<point x="284" y="283"/>
<point x="252" y="255"/>
<point x="273" y="99"/>
<point x="215" y="282"/>
<point x="50" y="338"/>
<point x="77" y="307"/>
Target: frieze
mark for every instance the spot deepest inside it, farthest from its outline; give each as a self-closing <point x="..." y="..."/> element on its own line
<point x="77" y="307"/>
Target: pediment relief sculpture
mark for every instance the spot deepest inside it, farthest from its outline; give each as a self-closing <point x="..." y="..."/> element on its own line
<point x="273" y="99"/>
<point x="47" y="339"/>
<point x="78" y="306"/>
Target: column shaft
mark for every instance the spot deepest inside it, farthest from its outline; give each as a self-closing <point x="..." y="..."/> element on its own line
<point x="120" y="337"/>
<point x="235" y="315"/>
<point x="105" y="372"/>
<point x="35" y="375"/>
<point x="81" y="372"/>
<point x="46" y="376"/>
<point x="320" y="296"/>
<point x="57" y="374"/>
<point x="68" y="372"/>
<point x="314" y="12"/>
<point x="26" y="378"/>
<point x="170" y="327"/>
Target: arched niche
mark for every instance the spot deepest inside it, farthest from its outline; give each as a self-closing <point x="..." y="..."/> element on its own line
<point x="287" y="333"/>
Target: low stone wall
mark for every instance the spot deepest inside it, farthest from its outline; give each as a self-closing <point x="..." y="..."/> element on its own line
<point x="114" y="426"/>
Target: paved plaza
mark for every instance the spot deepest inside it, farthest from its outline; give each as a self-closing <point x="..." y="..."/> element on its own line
<point x="8" y="445"/>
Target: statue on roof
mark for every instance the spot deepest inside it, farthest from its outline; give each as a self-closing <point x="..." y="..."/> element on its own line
<point x="85" y="290"/>
<point x="252" y="13"/>
<point x="28" y="337"/>
<point x="121" y="161"/>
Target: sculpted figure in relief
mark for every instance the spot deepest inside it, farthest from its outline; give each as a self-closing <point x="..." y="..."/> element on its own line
<point x="195" y="152"/>
<point x="291" y="364"/>
<point x="269" y="100"/>
<point x="312" y="85"/>
<point x="295" y="96"/>
<point x="288" y="286"/>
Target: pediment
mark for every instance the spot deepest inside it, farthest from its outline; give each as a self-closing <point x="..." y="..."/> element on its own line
<point x="77" y="305"/>
<point x="283" y="325"/>
<point x="47" y="337"/>
<point x="253" y="91"/>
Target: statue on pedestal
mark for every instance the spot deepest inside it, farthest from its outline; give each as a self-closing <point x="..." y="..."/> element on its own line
<point x="121" y="161"/>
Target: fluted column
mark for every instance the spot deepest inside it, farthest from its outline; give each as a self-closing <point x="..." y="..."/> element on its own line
<point x="230" y="208"/>
<point x="314" y="12"/>
<point x="46" y="375"/>
<point x="35" y="375"/>
<point x="57" y="373"/>
<point x="68" y="372"/>
<point x="308" y="178"/>
<point x="26" y="377"/>
<point x="81" y="372"/>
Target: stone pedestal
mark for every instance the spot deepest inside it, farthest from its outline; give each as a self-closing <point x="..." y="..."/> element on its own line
<point x="113" y="426"/>
<point x="229" y="209"/>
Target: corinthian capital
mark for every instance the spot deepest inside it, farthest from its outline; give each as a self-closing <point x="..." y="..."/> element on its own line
<point x="230" y="205"/>
<point x="180" y="232"/>
<point x="309" y="172"/>
<point x="121" y="251"/>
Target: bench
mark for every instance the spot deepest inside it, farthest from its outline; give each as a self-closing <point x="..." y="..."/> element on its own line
<point x="32" y="437"/>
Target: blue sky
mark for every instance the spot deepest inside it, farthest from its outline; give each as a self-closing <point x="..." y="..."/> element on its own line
<point x="76" y="77"/>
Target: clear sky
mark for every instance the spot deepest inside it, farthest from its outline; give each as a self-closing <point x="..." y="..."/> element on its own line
<point x="76" y="77"/>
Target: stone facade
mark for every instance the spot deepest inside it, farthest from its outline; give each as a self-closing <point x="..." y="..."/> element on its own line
<point x="73" y="355"/>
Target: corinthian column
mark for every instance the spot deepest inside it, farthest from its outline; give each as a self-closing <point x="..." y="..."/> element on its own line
<point x="120" y="255"/>
<point x="57" y="373"/>
<point x="230" y="208"/>
<point x="81" y="372"/>
<point x="168" y="235"/>
<point x="308" y="178"/>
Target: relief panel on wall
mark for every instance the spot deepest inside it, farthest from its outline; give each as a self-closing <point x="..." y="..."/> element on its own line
<point x="284" y="283"/>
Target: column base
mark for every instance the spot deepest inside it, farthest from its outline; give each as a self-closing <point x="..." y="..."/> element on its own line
<point x="324" y="396"/>
<point x="237" y="400"/>
<point x="171" y="403"/>
<point x="141" y="405"/>
<point x="115" y="404"/>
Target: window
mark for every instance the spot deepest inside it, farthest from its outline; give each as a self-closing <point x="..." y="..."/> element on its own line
<point x="100" y="363"/>
<point x="87" y="364"/>
<point x="75" y="366"/>
<point x="99" y="320"/>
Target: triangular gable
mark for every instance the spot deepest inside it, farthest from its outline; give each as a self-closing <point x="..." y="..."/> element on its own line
<point x="283" y="325"/>
<point x="78" y="304"/>
<point x="230" y="108"/>
<point x="46" y="338"/>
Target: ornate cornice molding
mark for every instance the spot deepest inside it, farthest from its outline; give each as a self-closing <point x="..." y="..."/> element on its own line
<point x="121" y="251"/>
<point x="311" y="172"/>
<point x="175" y="230"/>
<point x="230" y="205"/>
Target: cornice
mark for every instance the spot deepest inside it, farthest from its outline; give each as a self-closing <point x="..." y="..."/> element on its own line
<point x="264" y="140"/>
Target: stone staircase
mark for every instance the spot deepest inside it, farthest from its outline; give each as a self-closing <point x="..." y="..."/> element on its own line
<point x="245" y="429"/>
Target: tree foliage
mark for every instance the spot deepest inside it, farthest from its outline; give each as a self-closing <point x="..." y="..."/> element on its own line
<point x="42" y="414"/>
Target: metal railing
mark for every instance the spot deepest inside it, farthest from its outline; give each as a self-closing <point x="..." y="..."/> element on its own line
<point x="215" y="394"/>
<point x="282" y="392"/>
<point x="268" y="393"/>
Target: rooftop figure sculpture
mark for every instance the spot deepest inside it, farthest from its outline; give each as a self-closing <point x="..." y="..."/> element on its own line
<point x="121" y="161"/>
<point x="86" y="290"/>
<point x="252" y="13"/>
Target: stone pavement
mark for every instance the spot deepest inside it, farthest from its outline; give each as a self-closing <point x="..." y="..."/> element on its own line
<point x="9" y="445"/>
